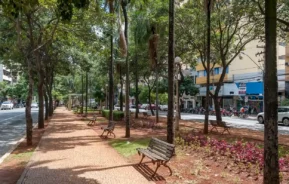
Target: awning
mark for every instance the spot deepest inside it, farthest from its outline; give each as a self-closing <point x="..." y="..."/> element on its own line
<point x="230" y="89"/>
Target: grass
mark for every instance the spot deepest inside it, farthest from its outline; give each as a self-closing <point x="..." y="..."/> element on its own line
<point x="20" y="156"/>
<point x="128" y="148"/>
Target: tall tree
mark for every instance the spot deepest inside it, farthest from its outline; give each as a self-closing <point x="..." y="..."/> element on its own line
<point x="271" y="164"/>
<point x="124" y="4"/>
<point x="208" y="56"/>
<point x="171" y="56"/>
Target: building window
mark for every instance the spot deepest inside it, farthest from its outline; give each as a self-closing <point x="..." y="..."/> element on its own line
<point x="216" y="71"/>
<point x="227" y="70"/>
<point x="205" y="73"/>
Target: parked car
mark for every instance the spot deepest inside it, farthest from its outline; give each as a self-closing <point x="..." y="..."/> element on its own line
<point x="163" y="107"/>
<point x="283" y="115"/>
<point x="144" y="106"/>
<point x="34" y="105"/>
<point x="7" y="105"/>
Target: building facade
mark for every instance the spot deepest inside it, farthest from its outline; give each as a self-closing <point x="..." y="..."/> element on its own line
<point x="5" y="74"/>
<point x="243" y="82"/>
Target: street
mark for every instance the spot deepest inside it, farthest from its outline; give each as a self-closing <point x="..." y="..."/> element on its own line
<point x="13" y="127"/>
<point x="250" y="123"/>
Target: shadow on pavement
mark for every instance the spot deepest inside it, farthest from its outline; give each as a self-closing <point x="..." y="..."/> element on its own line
<point x="70" y="175"/>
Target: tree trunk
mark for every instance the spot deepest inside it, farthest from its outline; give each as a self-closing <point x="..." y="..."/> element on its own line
<point x="82" y="97"/>
<point x="86" y="93"/>
<point x="271" y="166"/>
<point x="29" y="120"/>
<point x="157" y="94"/>
<point x="51" y="109"/>
<point x="150" y="103"/>
<point x="171" y="56"/>
<point x="206" y="124"/>
<point x="136" y="81"/>
<point x="46" y="103"/>
<point x="40" y="98"/>
<point x="217" y="108"/>
<point x="110" y="95"/>
<point x="121" y="94"/>
<point x="127" y="113"/>
<point x="50" y="98"/>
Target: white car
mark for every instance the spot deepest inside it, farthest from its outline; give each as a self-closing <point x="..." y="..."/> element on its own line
<point x="7" y="105"/>
<point x="283" y="115"/>
<point x="144" y="106"/>
<point x="34" y="105"/>
<point x="163" y="107"/>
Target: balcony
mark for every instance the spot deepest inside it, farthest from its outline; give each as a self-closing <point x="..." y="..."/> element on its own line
<point x="200" y="67"/>
<point x="213" y="79"/>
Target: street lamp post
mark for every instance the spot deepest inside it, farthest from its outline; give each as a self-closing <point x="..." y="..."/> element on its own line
<point x="177" y="63"/>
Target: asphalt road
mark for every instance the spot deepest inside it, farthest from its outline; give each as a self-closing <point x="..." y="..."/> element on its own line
<point x="13" y="127"/>
<point x="250" y="123"/>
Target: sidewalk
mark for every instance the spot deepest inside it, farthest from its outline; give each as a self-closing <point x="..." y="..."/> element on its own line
<point x="71" y="152"/>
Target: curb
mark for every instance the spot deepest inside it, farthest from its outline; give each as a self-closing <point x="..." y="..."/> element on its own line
<point x="22" y="177"/>
<point x="14" y="147"/>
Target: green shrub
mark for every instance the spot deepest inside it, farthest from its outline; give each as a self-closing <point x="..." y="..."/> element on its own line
<point x="285" y="102"/>
<point x="117" y="115"/>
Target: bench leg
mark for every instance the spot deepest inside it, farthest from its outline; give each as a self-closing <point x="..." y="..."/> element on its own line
<point x="226" y="129"/>
<point x="158" y="165"/>
<point x="165" y="164"/>
<point x="89" y="122"/>
<point x="213" y="129"/>
<point x="141" y="158"/>
<point x="102" y="133"/>
<point x="111" y="133"/>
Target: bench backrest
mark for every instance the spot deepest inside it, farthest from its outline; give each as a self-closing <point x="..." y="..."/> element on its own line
<point x="222" y="123"/>
<point x="161" y="148"/>
<point x="111" y="125"/>
<point x="213" y="122"/>
<point x="218" y="123"/>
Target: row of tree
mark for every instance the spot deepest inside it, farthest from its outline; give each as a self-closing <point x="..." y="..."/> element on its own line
<point x="136" y="40"/>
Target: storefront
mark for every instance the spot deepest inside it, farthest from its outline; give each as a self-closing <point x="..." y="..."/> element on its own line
<point x="227" y="95"/>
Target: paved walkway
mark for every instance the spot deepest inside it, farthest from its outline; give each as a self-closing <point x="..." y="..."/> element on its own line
<point x="70" y="153"/>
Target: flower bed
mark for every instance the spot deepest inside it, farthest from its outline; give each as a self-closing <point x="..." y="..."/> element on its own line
<point x="241" y="153"/>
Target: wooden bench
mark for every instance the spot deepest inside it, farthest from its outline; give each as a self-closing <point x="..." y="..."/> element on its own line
<point x="109" y="129"/>
<point x="221" y="124"/>
<point x="92" y="120"/>
<point x="145" y="115"/>
<point x="160" y="152"/>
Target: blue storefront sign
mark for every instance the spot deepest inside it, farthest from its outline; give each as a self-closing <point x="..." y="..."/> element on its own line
<point x="251" y="88"/>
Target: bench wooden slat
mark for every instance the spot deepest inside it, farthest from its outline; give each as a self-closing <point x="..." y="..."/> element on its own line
<point x="150" y="154"/>
<point x="161" y="154"/>
<point x="164" y="147"/>
<point x="163" y="142"/>
<point x="161" y="148"/>
<point x="159" y="151"/>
